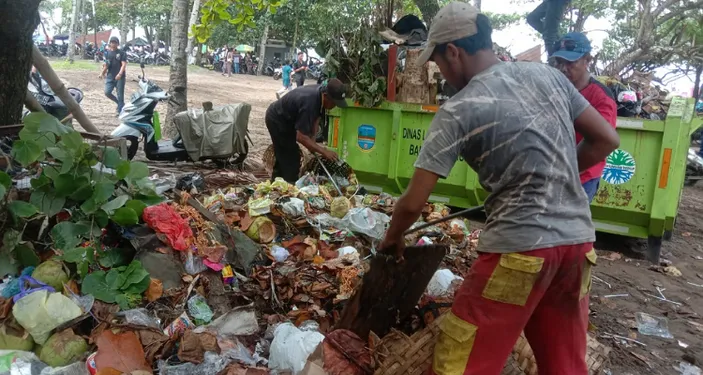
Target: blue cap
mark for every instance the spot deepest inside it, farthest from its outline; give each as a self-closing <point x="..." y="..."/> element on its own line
<point x="572" y="47"/>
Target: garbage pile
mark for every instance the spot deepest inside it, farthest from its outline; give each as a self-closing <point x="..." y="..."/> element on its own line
<point x="139" y="274"/>
<point x="637" y="97"/>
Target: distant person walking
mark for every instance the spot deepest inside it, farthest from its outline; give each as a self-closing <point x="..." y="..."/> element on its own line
<point x="114" y="70"/>
<point x="228" y="64"/>
<point x="546" y="19"/>
<point x="299" y="68"/>
<point x="286" y="71"/>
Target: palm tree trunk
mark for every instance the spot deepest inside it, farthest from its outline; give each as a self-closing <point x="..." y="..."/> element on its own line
<point x="178" y="79"/>
<point x="262" y="53"/>
<point x="697" y="83"/>
<point x="193" y="19"/>
<point x="124" y="27"/>
<point x="72" y="32"/>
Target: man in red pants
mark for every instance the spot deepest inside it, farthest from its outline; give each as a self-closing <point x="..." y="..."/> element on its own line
<point x="514" y="124"/>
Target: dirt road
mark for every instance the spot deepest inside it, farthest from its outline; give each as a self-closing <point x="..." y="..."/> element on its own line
<point x="621" y="269"/>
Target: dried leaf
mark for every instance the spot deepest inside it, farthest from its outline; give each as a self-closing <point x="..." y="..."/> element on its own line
<point x="341" y="342"/>
<point x="155" y="344"/>
<point x="5" y="307"/>
<point x="162" y="250"/>
<point x="104" y="311"/>
<point x="613" y="256"/>
<point x="71" y="286"/>
<point x="246" y="222"/>
<point x="121" y="351"/>
<point x="109" y="371"/>
<point x="193" y="346"/>
<point x="155" y="290"/>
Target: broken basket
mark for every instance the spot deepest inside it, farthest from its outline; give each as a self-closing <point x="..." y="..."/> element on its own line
<point x="269" y="159"/>
<point x="398" y="354"/>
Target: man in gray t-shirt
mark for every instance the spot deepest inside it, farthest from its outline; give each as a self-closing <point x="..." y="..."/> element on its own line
<point x="514" y="124"/>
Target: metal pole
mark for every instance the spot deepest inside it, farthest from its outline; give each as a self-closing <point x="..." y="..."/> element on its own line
<point x="95" y="27"/>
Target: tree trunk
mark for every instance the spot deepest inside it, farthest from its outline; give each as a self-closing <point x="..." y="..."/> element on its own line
<point x="477" y="4"/>
<point x="178" y="79"/>
<point x="193" y="19"/>
<point x="429" y="9"/>
<point x="124" y="27"/>
<point x="625" y="60"/>
<point x="17" y="24"/>
<point x="697" y="83"/>
<point x="155" y="41"/>
<point x="262" y="53"/>
<point x="147" y="32"/>
<point x="198" y="54"/>
<point x="84" y="19"/>
<point x="72" y="32"/>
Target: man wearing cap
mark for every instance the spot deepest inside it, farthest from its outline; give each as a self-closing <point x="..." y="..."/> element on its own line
<point x="572" y="55"/>
<point x="295" y="118"/>
<point x="514" y="124"/>
<point x="114" y="72"/>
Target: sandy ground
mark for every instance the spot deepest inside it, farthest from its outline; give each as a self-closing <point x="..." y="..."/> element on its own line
<point x="621" y="264"/>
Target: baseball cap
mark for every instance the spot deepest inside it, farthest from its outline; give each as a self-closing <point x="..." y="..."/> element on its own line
<point x="337" y="91"/>
<point x="114" y="39"/>
<point x="453" y="22"/>
<point x="572" y="47"/>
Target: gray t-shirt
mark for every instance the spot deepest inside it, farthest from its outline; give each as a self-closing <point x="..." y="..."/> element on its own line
<point x="514" y="125"/>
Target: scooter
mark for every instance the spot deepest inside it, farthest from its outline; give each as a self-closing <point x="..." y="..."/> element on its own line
<point x="136" y="123"/>
<point x="51" y="103"/>
<point x="694" y="168"/>
<point x="277" y="73"/>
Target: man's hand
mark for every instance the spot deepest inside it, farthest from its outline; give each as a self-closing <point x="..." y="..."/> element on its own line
<point x="118" y="77"/>
<point x="330" y="155"/>
<point x="394" y="246"/>
<point x="101" y="75"/>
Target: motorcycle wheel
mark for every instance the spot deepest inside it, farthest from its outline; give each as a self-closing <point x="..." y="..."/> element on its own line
<point x="132" y="146"/>
<point x="276" y="77"/>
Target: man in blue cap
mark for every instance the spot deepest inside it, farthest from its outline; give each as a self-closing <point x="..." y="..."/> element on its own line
<point x="572" y="56"/>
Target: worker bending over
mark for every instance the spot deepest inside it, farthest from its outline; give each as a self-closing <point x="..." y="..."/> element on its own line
<point x="572" y="55"/>
<point x="514" y="124"/>
<point x="296" y="118"/>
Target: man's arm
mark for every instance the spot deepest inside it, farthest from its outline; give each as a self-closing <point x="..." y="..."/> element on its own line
<point x="122" y="68"/>
<point x="313" y="146"/>
<point x="599" y="138"/>
<point x="104" y="71"/>
<point x="408" y="208"/>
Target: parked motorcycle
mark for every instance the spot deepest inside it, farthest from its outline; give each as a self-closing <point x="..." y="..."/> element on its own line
<point x="51" y="103"/>
<point x="133" y="57"/>
<point x="694" y="168"/>
<point x="227" y="137"/>
<point x="277" y="73"/>
<point x="270" y="68"/>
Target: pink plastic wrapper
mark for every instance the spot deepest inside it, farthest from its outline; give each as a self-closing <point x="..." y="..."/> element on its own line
<point x="179" y="325"/>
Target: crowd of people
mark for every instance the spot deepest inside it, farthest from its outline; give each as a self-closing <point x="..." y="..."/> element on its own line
<point x="235" y="62"/>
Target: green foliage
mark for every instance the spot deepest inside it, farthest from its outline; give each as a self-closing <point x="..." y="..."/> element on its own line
<point x="235" y="12"/>
<point x="123" y="285"/>
<point x="68" y="179"/>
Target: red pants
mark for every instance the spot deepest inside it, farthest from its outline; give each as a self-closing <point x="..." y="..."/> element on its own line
<point x="543" y="292"/>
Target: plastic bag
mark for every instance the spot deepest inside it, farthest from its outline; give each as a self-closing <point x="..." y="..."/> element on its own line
<point x="199" y="309"/>
<point x="310" y="190"/>
<point x="191" y="181"/>
<point x="163" y="184"/>
<point x="291" y="347"/>
<point x="651" y="325"/>
<point x="294" y="207"/>
<point x="140" y="317"/>
<point x="279" y="254"/>
<point x="367" y="221"/>
<point x="258" y="207"/>
<point x="346" y="250"/>
<point x="441" y="282"/>
<point x="164" y="219"/>
<point x="192" y="264"/>
<point x="213" y="364"/>
<point x="307" y="180"/>
<point x="40" y="312"/>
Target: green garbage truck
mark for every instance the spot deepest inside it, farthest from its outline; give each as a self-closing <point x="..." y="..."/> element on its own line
<point x="639" y="193"/>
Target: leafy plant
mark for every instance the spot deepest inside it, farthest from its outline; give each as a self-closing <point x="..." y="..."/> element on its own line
<point x="123" y="285"/>
<point x="215" y="12"/>
<point x="68" y="181"/>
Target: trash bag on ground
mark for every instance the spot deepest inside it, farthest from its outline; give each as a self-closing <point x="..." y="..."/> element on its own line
<point x="291" y="347"/>
<point x="40" y="312"/>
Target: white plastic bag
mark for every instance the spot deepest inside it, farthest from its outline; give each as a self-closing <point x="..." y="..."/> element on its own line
<point x="291" y="348"/>
<point x="441" y="283"/>
<point x="294" y="207"/>
<point x="40" y="312"/>
<point x="280" y="254"/>
<point x="347" y="250"/>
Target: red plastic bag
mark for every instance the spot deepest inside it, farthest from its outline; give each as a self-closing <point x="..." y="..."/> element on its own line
<point x="164" y="219"/>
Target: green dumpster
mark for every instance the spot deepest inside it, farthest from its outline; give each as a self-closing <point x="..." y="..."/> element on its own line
<point x="639" y="192"/>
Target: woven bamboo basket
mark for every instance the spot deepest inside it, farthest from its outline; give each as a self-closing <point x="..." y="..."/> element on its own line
<point x="398" y="354"/>
<point x="269" y="159"/>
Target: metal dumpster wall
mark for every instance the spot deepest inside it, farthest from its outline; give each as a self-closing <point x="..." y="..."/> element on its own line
<point x="638" y="195"/>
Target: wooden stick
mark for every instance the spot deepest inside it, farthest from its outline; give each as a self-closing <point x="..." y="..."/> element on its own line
<point x="60" y="90"/>
<point x="31" y="103"/>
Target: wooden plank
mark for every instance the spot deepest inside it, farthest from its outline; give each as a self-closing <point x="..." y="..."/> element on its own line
<point x="390" y="290"/>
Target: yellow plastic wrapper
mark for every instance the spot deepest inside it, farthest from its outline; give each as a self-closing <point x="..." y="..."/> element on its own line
<point x="41" y="312"/>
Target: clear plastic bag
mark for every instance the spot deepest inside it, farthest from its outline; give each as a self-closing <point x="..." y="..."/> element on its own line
<point x="140" y="317"/>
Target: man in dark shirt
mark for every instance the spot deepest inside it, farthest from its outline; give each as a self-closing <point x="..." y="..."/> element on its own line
<point x="295" y="118"/>
<point x="572" y="55"/>
<point x="545" y="19"/>
<point x="300" y="66"/>
<point x="114" y="72"/>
